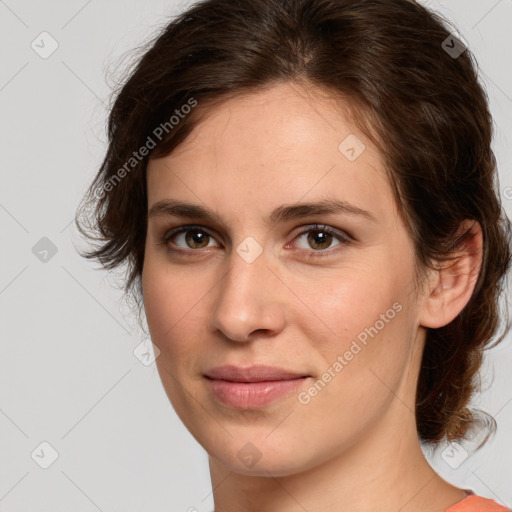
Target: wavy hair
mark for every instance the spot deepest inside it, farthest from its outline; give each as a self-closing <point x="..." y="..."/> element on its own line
<point x="412" y="89"/>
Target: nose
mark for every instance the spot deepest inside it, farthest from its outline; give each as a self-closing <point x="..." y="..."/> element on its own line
<point x="250" y="300"/>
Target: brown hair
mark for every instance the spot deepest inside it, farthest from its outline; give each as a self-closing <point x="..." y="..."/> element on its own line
<point x="421" y="105"/>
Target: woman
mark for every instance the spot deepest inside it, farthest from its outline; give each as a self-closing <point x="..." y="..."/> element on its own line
<point x="304" y="194"/>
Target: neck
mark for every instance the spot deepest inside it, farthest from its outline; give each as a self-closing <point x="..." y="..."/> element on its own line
<point x="386" y="466"/>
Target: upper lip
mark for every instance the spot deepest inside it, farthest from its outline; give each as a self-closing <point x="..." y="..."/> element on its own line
<point x="256" y="373"/>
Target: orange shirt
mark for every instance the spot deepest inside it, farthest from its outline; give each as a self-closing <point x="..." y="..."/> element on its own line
<point x="474" y="503"/>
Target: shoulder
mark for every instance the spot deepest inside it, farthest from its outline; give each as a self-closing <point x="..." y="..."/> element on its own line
<point x="474" y="503"/>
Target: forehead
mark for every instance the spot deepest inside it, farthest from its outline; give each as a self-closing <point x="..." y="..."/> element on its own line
<point x="283" y="144"/>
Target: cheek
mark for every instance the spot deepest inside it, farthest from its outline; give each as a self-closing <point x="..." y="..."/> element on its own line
<point x="362" y="316"/>
<point x="173" y="307"/>
<point x="160" y="300"/>
<point x="345" y="302"/>
<point x="363" y="369"/>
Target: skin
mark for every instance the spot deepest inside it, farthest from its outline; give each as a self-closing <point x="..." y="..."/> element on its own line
<point x="355" y="443"/>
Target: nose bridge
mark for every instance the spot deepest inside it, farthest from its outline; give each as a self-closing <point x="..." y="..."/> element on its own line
<point x="247" y="295"/>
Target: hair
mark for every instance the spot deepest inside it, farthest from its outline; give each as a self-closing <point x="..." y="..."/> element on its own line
<point x="421" y="106"/>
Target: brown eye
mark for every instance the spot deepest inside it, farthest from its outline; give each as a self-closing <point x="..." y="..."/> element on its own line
<point x="188" y="238"/>
<point x="196" y="238"/>
<point x="319" y="239"/>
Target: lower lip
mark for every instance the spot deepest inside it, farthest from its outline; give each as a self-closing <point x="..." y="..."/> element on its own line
<point x="251" y="395"/>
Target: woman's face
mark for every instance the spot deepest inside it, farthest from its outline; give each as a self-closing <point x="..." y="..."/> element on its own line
<point x="256" y="283"/>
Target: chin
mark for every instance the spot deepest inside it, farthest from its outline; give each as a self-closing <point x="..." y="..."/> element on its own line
<point x="262" y="458"/>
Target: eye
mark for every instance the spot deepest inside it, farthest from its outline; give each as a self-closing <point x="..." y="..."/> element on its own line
<point x="320" y="238"/>
<point x="187" y="238"/>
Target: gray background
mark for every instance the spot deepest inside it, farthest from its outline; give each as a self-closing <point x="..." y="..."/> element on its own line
<point x="68" y="373"/>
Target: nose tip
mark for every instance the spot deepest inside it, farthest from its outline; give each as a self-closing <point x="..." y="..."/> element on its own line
<point x="248" y="300"/>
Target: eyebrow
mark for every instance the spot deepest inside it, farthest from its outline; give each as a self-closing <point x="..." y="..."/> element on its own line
<point x="175" y="208"/>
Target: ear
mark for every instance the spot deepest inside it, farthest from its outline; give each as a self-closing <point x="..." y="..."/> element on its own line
<point x="452" y="285"/>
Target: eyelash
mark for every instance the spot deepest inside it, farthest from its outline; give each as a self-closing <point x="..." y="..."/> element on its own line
<point x="344" y="239"/>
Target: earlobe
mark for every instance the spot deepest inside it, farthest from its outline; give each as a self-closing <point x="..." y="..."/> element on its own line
<point x="453" y="283"/>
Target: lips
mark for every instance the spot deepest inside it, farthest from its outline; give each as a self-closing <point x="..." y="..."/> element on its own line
<point x="257" y="373"/>
<point x="252" y="387"/>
